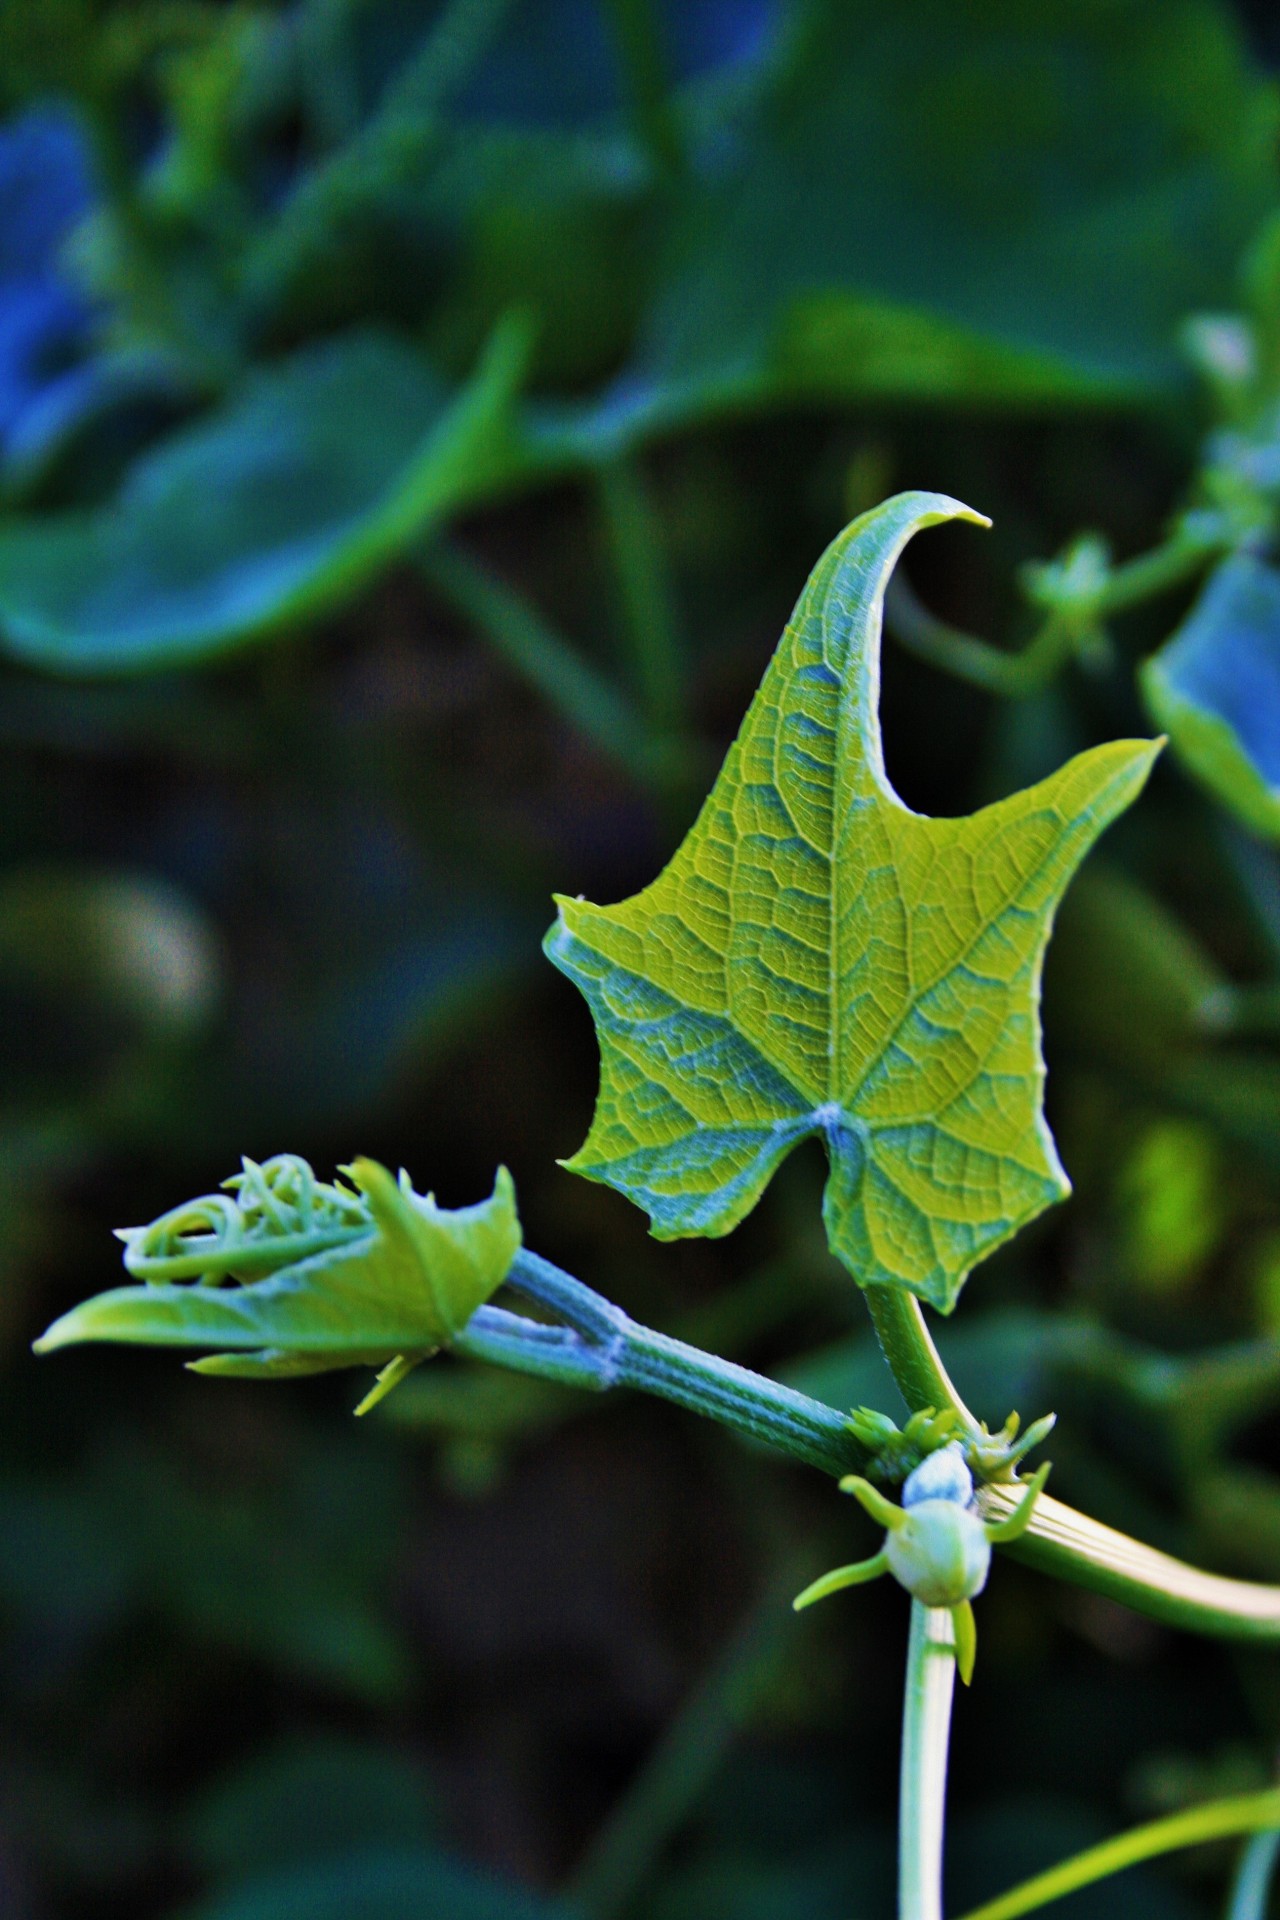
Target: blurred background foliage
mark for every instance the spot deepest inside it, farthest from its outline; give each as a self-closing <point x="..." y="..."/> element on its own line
<point x="416" y="422"/>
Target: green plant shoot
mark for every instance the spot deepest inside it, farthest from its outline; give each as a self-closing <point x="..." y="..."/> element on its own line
<point x="294" y="1275"/>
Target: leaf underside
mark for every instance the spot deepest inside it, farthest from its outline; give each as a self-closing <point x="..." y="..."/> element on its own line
<point x="818" y="959"/>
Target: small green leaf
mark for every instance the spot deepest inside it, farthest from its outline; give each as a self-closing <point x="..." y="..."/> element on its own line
<point x="1215" y="689"/>
<point x="282" y="504"/>
<point x="818" y="959"/>
<point x="293" y="1275"/>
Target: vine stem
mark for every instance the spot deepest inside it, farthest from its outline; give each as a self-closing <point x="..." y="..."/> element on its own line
<point x="547" y="662"/>
<point x="926" y="1733"/>
<point x="598" y="1346"/>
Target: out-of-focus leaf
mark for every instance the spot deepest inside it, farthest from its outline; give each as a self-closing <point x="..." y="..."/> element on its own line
<point x="818" y="959"/>
<point x="1012" y="202"/>
<point x="1215" y="689"/>
<point x="67" y="395"/>
<point x="122" y="941"/>
<point x="1157" y="978"/>
<point x="1153" y="1026"/>
<point x="286" y="1574"/>
<point x="309" y="1797"/>
<point x="104" y="978"/>
<point x="44" y="323"/>
<point x="281" y="505"/>
<point x="322" y="1276"/>
<point x="378" y="1885"/>
<point x="1169" y="1193"/>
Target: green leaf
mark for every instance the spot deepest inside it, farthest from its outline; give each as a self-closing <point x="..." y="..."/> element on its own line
<point x="308" y="1797"/>
<point x="378" y="1884"/>
<point x="280" y="505"/>
<point x="293" y="1275"/>
<point x="818" y="959"/>
<point x="1016" y="202"/>
<point x="1215" y="689"/>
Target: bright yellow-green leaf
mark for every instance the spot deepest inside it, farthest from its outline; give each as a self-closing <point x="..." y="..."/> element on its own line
<point x="818" y="959"/>
<point x="292" y="1275"/>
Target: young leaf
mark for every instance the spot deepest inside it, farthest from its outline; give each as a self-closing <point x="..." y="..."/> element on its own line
<point x="817" y="958"/>
<point x="296" y="1276"/>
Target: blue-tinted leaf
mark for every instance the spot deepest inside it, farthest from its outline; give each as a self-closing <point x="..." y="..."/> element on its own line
<point x="1215" y="689"/>
<point x="44" y="323"/>
<point x="282" y="504"/>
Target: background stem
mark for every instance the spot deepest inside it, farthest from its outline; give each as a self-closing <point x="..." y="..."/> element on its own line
<point x="683" y="1762"/>
<point x="635" y="541"/>
<point x="1252" y="1885"/>
<point x="1243" y="1813"/>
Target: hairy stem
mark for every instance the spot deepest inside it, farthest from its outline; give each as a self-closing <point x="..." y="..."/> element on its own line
<point x="1070" y="1546"/>
<point x="926" y="1733"/>
<point x="601" y="1346"/>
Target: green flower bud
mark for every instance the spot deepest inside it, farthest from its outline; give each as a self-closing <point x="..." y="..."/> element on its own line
<point x="940" y="1553"/>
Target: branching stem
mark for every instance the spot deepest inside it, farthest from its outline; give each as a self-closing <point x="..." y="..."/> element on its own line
<point x="597" y="1346"/>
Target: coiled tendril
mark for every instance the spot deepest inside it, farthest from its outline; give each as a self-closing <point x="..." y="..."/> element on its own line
<point x="267" y="1217"/>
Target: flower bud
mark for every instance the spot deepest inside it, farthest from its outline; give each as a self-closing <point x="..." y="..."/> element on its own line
<point x="941" y="1475"/>
<point x="940" y="1554"/>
